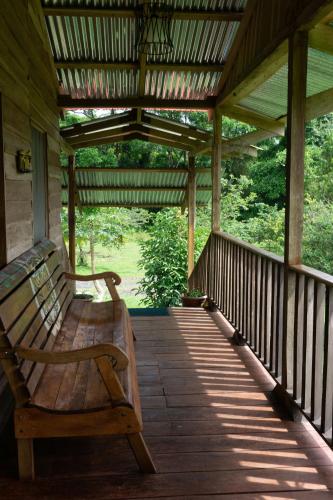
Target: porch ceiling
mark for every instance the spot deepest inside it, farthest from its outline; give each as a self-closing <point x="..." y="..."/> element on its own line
<point x="95" y="54"/>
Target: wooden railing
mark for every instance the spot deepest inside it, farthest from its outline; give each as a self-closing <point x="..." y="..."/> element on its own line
<point x="292" y="335"/>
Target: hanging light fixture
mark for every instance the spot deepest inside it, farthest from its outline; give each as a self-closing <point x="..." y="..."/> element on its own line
<point x="153" y="21"/>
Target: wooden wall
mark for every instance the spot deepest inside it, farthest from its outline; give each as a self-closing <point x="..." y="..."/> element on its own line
<point x="28" y="90"/>
<point x="28" y="87"/>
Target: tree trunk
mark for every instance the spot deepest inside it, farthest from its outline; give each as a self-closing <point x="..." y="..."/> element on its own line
<point x="82" y="258"/>
<point x="92" y="261"/>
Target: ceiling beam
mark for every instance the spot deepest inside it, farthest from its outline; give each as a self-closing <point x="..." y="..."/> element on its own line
<point x="138" y="205"/>
<point x="167" y="135"/>
<point x="180" y="15"/>
<point x="161" y="142"/>
<point x="184" y="129"/>
<point x="321" y="38"/>
<point x="128" y="65"/>
<point x="232" y="56"/>
<point x="161" y="189"/>
<point x="139" y="170"/>
<point x="127" y="130"/>
<point x="96" y="125"/>
<point x="134" y="135"/>
<point x="319" y="105"/>
<point x="277" y="127"/>
<point x="100" y="136"/>
<point x="65" y="101"/>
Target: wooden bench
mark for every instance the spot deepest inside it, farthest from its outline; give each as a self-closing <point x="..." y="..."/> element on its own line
<point x="70" y="363"/>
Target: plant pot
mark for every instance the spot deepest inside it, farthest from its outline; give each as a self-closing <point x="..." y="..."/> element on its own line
<point x="193" y="301"/>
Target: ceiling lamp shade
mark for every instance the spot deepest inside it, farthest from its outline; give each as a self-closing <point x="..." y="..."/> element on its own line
<point x="153" y="28"/>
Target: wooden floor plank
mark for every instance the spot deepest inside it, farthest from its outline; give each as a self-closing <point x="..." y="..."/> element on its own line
<point x="207" y="421"/>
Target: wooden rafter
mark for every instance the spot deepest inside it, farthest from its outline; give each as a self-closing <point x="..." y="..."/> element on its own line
<point x="95" y="125"/>
<point x="268" y="67"/>
<point x="180" y="15"/>
<point x="321" y="38"/>
<point x="139" y="170"/>
<point x="158" y="189"/>
<point x="319" y="104"/>
<point x="134" y="205"/>
<point x="65" y="101"/>
<point x="273" y="54"/>
<point x="128" y="65"/>
<point x="184" y="129"/>
<point x="251" y="117"/>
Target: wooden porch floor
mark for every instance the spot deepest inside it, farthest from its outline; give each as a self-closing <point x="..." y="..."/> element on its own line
<point x="210" y="428"/>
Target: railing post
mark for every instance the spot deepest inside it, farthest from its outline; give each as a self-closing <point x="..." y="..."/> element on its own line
<point x="3" y="232"/>
<point x="216" y="171"/>
<point x="71" y="211"/>
<point x="191" y="186"/>
<point x="297" y="76"/>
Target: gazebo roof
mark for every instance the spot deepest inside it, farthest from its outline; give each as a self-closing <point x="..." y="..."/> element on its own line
<point x="136" y="124"/>
<point x="145" y="187"/>
<point x="136" y="187"/>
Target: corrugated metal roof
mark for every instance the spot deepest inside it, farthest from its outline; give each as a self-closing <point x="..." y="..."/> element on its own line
<point x="90" y="178"/>
<point x="181" y="85"/>
<point x="270" y="98"/>
<point x="112" y="39"/>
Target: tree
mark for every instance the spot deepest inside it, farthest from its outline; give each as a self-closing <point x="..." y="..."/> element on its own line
<point x="106" y="226"/>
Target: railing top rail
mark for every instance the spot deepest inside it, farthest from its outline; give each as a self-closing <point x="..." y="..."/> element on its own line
<point x="249" y="247"/>
<point x="324" y="278"/>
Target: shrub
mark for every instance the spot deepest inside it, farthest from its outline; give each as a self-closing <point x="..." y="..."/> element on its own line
<point x="164" y="260"/>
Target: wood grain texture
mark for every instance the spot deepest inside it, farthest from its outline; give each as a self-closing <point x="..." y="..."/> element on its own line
<point x="229" y="446"/>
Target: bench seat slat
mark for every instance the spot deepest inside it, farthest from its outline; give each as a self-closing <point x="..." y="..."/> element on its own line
<point x="49" y="339"/>
<point x="79" y="386"/>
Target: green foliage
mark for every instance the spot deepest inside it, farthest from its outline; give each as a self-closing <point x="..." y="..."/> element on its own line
<point x="105" y="226"/>
<point x="195" y="293"/>
<point x="164" y="260"/>
<point x="318" y="235"/>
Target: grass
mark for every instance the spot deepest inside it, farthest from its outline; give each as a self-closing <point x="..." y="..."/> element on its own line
<point x="123" y="261"/>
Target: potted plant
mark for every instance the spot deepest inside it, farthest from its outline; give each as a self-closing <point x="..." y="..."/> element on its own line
<point x="194" y="298"/>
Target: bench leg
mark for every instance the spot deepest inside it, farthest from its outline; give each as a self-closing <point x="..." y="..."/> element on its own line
<point x="141" y="453"/>
<point x="25" y="453"/>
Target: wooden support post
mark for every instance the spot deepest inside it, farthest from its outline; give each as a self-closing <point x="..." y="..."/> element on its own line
<point x="191" y="212"/>
<point x="3" y="233"/>
<point x="71" y="211"/>
<point x="216" y="171"/>
<point x="297" y="64"/>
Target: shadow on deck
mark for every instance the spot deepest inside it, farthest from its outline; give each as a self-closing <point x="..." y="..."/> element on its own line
<point x="208" y="423"/>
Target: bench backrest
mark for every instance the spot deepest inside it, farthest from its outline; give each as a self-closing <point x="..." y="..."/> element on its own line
<point x="34" y="297"/>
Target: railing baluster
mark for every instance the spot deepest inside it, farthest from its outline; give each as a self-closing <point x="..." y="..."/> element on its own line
<point x="327" y="394"/>
<point x="247" y="285"/>
<point x="318" y="348"/>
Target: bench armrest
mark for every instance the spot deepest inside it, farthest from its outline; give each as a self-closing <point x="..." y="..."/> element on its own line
<point x="111" y="280"/>
<point x="86" y="353"/>
<point x="92" y="277"/>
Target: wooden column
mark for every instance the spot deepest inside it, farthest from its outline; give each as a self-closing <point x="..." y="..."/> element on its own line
<point x="3" y="234"/>
<point x="191" y="190"/>
<point x="216" y="170"/>
<point x="297" y="76"/>
<point x="71" y="211"/>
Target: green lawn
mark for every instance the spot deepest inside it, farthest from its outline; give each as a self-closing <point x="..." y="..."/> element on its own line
<point x="123" y="261"/>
